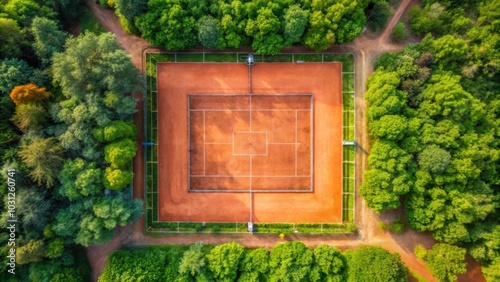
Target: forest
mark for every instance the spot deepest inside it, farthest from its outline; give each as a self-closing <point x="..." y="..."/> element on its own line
<point x="266" y="26"/>
<point x="289" y="261"/>
<point x="66" y="139"/>
<point x="433" y="118"/>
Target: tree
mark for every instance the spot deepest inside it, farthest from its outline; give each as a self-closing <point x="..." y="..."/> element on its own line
<point x="11" y="37"/>
<point x="93" y="64"/>
<point x="194" y="262"/>
<point x="29" y="117"/>
<point x="29" y="93"/>
<point x="169" y="23"/>
<point x="378" y="15"/>
<point x="368" y="263"/>
<point x="33" y="251"/>
<point x="131" y="8"/>
<point x="209" y="33"/>
<point x="295" y="21"/>
<point x="399" y="32"/>
<point x="24" y="11"/>
<point x="15" y="72"/>
<point x="43" y="157"/>
<point x="255" y="265"/>
<point x="434" y="159"/>
<point x="136" y="265"/>
<point x="79" y="178"/>
<point x="329" y="264"/>
<point x="119" y="154"/>
<point x="119" y="129"/>
<point x="426" y="20"/>
<point x="445" y="261"/>
<point x="391" y="127"/>
<point x="54" y="248"/>
<point x="265" y="32"/>
<point x="33" y="211"/>
<point x="223" y="261"/>
<point x="117" y="179"/>
<point x="49" y="39"/>
<point x="319" y="35"/>
<point x="492" y="271"/>
<point x="290" y="261"/>
<point x="450" y="51"/>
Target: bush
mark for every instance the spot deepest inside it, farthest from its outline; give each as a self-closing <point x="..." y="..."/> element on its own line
<point x="399" y="33"/>
<point x="443" y="260"/>
<point x="368" y="263"/>
<point x="119" y="154"/>
<point x="397" y="226"/>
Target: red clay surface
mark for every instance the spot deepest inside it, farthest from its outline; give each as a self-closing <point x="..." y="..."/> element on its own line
<point x="176" y="81"/>
<point x="250" y="143"/>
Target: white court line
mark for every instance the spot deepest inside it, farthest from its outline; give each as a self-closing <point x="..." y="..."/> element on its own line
<point x="296" y="140"/>
<point x="251" y="157"/>
<point x="204" y="146"/>
<point x="247" y="110"/>
<point x="245" y="175"/>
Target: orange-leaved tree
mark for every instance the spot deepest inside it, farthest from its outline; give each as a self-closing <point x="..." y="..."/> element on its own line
<point x="28" y="93"/>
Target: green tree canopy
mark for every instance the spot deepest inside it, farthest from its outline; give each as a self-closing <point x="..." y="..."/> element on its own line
<point x="29" y="117"/>
<point x="254" y="266"/>
<point x="223" y="261"/>
<point x="49" y="39"/>
<point x="368" y="263"/>
<point x="43" y="157"/>
<point x="117" y="179"/>
<point x="194" y="263"/>
<point x="290" y="261"/>
<point x="11" y="37"/>
<point x="210" y="33"/>
<point x="79" y="178"/>
<point x="119" y="154"/>
<point x="295" y="22"/>
<point x="93" y="64"/>
<point x="445" y="261"/>
<point x="329" y="265"/>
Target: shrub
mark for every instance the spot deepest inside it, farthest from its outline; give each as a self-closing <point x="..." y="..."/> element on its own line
<point x="399" y="32"/>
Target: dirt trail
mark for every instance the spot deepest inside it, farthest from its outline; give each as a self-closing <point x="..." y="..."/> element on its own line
<point x="366" y="49"/>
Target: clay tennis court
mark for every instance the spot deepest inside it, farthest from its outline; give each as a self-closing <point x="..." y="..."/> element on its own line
<point x="217" y="142"/>
<point x="242" y="143"/>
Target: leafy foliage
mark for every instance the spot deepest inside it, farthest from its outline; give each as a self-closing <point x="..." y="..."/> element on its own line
<point x="119" y="154"/>
<point x="266" y="26"/>
<point x="43" y="157"/>
<point x="209" y="33"/>
<point x="368" y="263"/>
<point x="290" y="261"/>
<point x="49" y="39"/>
<point x="445" y="261"/>
<point x="379" y="15"/>
<point x="329" y="265"/>
<point x="11" y="37"/>
<point x="14" y="72"/>
<point x="93" y="63"/>
<point x="223" y="261"/>
<point x="444" y="141"/>
<point x="254" y="265"/>
<point x="194" y="262"/>
<point x="29" y="117"/>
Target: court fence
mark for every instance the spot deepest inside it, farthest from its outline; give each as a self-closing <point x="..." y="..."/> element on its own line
<point x="151" y="137"/>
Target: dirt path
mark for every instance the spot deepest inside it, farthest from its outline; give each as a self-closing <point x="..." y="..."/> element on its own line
<point x="366" y="49"/>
